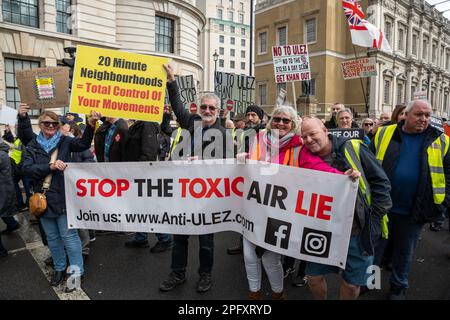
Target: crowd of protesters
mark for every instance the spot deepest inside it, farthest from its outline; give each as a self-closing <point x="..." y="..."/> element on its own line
<point x="402" y="165"/>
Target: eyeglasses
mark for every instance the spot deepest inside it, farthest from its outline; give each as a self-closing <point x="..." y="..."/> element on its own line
<point x="278" y="120"/>
<point x="49" y="124"/>
<point x="368" y="124"/>
<point x="211" y="108"/>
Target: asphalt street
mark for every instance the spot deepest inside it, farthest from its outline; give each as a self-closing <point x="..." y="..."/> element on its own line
<point x="119" y="273"/>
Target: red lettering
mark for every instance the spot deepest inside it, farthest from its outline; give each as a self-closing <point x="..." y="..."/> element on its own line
<point x="234" y="188"/>
<point x="213" y="188"/>
<point x="122" y="185"/>
<point x="197" y="195"/>
<point x="183" y="182"/>
<point x="299" y="208"/>
<point x="92" y="182"/>
<point x="82" y="189"/>
<point x="322" y="207"/>
<point x="317" y="209"/>
<point x="101" y="188"/>
<point x="312" y="205"/>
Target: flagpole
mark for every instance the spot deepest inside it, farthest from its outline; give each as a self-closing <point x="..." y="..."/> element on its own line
<point x="362" y="87"/>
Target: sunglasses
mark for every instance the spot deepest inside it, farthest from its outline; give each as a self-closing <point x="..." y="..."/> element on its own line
<point x="204" y="107"/>
<point x="368" y="124"/>
<point x="49" y="124"/>
<point x="278" y="120"/>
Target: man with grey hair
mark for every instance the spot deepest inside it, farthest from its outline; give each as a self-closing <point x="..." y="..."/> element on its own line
<point x="415" y="157"/>
<point x="199" y="127"/>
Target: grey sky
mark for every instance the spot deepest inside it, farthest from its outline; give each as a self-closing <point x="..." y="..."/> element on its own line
<point x="441" y="7"/>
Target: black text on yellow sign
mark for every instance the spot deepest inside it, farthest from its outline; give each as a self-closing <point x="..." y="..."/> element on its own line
<point x="118" y="84"/>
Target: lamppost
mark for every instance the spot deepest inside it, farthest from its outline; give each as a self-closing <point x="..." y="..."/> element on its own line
<point x="215" y="58"/>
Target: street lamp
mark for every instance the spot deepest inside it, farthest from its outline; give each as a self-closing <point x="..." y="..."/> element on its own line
<point x="215" y="57"/>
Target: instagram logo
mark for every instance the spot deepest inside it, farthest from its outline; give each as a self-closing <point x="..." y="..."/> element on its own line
<point x="316" y="243"/>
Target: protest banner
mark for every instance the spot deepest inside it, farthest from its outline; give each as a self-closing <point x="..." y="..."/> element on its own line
<point x="436" y="122"/>
<point x="240" y="89"/>
<point x="281" y="97"/>
<point x="44" y="88"/>
<point x="188" y="92"/>
<point x="118" y="84"/>
<point x="352" y="133"/>
<point x="301" y="213"/>
<point x="8" y="115"/>
<point x="291" y="63"/>
<point x="359" y="68"/>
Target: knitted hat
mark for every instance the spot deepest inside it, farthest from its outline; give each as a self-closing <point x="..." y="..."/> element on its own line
<point x="254" y="108"/>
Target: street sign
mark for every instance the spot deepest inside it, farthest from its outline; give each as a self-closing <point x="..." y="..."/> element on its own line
<point x="193" y="107"/>
<point x="230" y="104"/>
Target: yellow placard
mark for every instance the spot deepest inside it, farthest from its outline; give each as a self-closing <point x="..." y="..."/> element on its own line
<point x="118" y="84"/>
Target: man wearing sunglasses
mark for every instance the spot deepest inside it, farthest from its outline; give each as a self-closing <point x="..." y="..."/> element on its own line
<point x="199" y="127"/>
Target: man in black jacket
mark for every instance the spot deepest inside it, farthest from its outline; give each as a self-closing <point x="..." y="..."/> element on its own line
<point x="416" y="159"/>
<point x="370" y="207"/>
<point x="142" y="145"/>
<point x="199" y="127"/>
<point x="109" y="140"/>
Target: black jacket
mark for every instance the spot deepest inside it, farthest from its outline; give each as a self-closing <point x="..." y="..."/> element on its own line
<point x="35" y="164"/>
<point x="84" y="156"/>
<point x="424" y="210"/>
<point x="368" y="218"/>
<point x="192" y="123"/>
<point x="7" y="191"/>
<point x="117" y="148"/>
<point x="8" y="136"/>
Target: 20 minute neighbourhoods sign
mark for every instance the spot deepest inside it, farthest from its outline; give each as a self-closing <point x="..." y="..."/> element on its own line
<point x="118" y="84"/>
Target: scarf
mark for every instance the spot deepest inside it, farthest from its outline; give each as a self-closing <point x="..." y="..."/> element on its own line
<point x="49" y="144"/>
<point x="273" y="145"/>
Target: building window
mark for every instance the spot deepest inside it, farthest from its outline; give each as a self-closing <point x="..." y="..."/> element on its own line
<point x="414" y="45"/>
<point x="262" y="42"/>
<point x="232" y="52"/>
<point x="413" y="90"/>
<point x="243" y="31"/>
<point x="221" y="63"/>
<point x="263" y="94"/>
<point x="242" y="42"/>
<point x="312" y="87"/>
<point x="222" y="50"/>
<point x="282" y="36"/>
<point x="232" y="40"/>
<point x="242" y="54"/>
<point x="311" y="30"/>
<point x="241" y="6"/>
<point x="400" y="93"/>
<point x="387" y="92"/>
<point x="220" y="14"/>
<point x="221" y="39"/>
<point x="230" y="15"/>
<point x="12" y="90"/>
<point x="401" y="42"/>
<point x="388" y="31"/>
<point x="425" y="49"/>
<point x="241" y="18"/>
<point x="434" y="52"/>
<point x="232" y="29"/>
<point x="24" y="12"/>
<point x="221" y="27"/>
<point x="231" y="3"/>
<point x="447" y="61"/>
<point x="232" y="64"/>
<point x="164" y="35"/>
<point x="242" y="65"/>
<point x="63" y="16"/>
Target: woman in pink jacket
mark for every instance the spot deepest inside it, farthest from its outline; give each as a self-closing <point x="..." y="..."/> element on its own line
<point x="280" y="143"/>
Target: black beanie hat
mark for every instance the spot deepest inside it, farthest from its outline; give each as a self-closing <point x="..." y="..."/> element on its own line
<point x="254" y="108"/>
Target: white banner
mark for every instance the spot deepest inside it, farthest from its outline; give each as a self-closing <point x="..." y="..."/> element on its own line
<point x="291" y="63"/>
<point x="300" y="213"/>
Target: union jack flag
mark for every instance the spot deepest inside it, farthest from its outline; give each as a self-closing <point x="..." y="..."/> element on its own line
<point x="354" y="14"/>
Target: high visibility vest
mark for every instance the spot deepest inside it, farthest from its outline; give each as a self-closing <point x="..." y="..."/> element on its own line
<point x="175" y="141"/>
<point x="352" y="155"/>
<point x="436" y="153"/>
<point x="291" y="158"/>
<point x="16" y="153"/>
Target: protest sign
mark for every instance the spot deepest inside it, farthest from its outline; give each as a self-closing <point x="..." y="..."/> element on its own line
<point x="240" y="89"/>
<point x="8" y="115"/>
<point x="44" y="88"/>
<point x="301" y="213"/>
<point x="420" y="95"/>
<point x="436" y="122"/>
<point x="359" y="68"/>
<point x="188" y="92"/>
<point x="352" y="133"/>
<point x="118" y="84"/>
<point x="281" y="97"/>
<point x="291" y="63"/>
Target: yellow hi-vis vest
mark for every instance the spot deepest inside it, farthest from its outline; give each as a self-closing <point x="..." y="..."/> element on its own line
<point x="16" y="153"/>
<point x="436" y="153"/>
<point x="352" y="155"/>
<point x="175" y="141"/>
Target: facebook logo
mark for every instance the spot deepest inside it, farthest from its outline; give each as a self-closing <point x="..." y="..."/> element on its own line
<point x="278" y="233"/>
